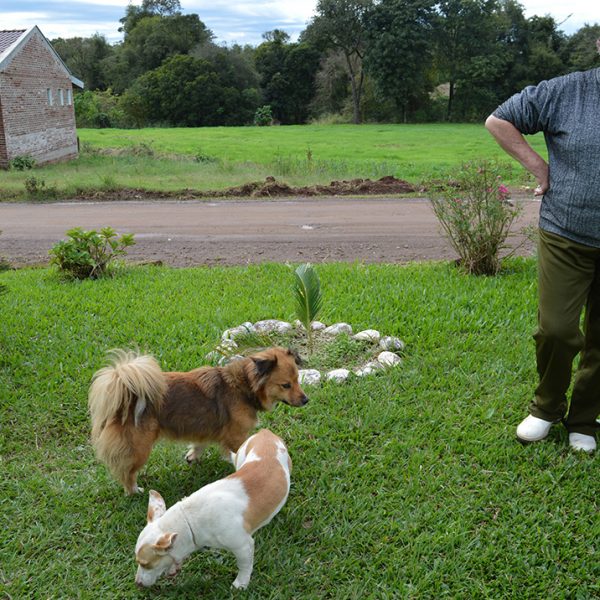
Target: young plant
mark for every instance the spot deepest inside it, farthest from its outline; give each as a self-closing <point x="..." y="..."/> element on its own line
<point x="88" y="254"/>
<point x="476" y="215"/>
<point x="307" y="291"/>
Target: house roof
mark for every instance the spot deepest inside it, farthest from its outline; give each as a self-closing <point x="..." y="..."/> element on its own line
<point x="11" y="40"/>
<point x="9" y="37"/>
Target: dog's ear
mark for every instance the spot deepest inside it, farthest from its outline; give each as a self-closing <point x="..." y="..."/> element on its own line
<point x="264" y="365"/>
<point x="164" y="543"/>
<point x="297" y="358"/>
<point x="156" y="506"/>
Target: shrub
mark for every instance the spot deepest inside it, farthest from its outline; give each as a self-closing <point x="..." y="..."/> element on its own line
<point x="88" y="254"/>
<point x="37" y="190"/>
<point x="263" y="116"/>
<point x="476" y="215"/>
<point x="22" y="163"/>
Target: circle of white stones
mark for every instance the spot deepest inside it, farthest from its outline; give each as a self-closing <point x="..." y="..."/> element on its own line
<point x="389" y="347"/>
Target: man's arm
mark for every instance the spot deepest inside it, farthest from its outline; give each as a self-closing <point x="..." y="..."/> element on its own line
<point x="513" y="143"/>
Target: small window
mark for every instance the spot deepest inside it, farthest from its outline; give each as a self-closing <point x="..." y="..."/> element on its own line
<point x="69" y="97"/>
<point x="50" y="98"/>
<point x="61" y="96"/>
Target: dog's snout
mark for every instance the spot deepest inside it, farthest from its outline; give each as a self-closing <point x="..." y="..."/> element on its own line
<point x="304" y="400"/>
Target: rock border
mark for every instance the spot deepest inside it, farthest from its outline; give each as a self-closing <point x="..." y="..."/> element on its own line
<point x="387" y="358"/>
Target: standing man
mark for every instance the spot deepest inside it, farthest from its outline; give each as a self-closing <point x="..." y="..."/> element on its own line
<point x="567" y="110"/>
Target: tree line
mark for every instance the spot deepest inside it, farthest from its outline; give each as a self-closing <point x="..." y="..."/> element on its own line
<point x="356" y="61"/>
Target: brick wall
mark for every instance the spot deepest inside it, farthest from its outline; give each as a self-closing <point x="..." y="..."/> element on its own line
<point x="31" y="126"/>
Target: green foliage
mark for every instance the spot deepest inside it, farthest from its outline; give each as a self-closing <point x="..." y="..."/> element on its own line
<point x="89" y="254"/>
<point x="307" y="293"/>
<point x="476" y="215"/>
<point x="263" y="116"/>
<point x="287" y="73"/>
<point x="87" y="58"/>
<point x="100" y="109"/>
<point x="36" y="189"/>
<point x="408" y="26"/>
<point x="22" y="163"/>
<point x="188" y="91"/>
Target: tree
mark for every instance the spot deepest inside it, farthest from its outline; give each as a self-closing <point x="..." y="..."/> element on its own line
<point x="190" y="92"/>
<point x="340" y="25"/>
<point x="287" y="72"/>
<point x="399" y="51"/>
<point x="84" y="57"/>
<point x="151" y="41"/>
<point x="581" y="49"/>
<point x="148" y="8"/>
<point x="465" y="32"/>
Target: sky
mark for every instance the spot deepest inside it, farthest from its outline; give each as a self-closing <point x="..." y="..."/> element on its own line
<point x="231" y="21"/>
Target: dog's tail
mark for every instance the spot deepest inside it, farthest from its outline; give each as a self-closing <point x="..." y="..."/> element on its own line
<point x="125" y="387"/>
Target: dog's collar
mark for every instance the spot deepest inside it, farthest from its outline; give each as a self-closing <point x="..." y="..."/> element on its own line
<point x="183" y="515"/>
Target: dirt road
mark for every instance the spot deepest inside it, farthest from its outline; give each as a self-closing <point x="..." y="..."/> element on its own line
<point x="227" y="232"/>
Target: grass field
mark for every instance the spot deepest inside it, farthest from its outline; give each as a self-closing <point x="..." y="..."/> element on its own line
<point x="407" y="485"/>
<point x="215" y="158"/>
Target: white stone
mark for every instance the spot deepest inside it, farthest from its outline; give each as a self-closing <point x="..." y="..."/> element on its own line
<point x="225" y="360"/>
<point x="299" y="325"/>
<point x="213" y="357"/>
<point x="309" y="377"/>
<point x="272" y="325"/>
<point x="368" y="335"/>
<point x="226" y="346"/>
<point x="337" y="375"/>
<point x="240" y="330"/>
<point x="388" y="359"/>
<point x="391" y="343"/>
<point x="317" y="326"/>
<point x="338" y="328"/>
<point x="369" y="368"/>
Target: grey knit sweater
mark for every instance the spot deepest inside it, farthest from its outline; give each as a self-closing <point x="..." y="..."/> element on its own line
<point x="567" y="110"/>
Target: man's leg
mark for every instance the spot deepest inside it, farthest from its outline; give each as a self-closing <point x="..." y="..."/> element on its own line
<point x="585" y="400"/>
<point x="566" y="272"/>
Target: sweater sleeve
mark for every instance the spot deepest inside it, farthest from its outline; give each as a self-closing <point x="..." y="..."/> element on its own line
<point x="530" y="110"/>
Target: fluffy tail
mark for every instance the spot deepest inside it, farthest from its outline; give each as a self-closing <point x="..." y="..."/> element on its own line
<point x="118" y="397"/>
<point x="128" y="385"/>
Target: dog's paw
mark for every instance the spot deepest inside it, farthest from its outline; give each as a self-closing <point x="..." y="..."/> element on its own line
<point x="136" y="489"/>
<point x="240" y="584"/>
<point x="192" y="455"/>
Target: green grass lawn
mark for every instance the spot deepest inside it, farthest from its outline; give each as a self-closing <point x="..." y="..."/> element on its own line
<point x="405" y="485"/>
<point x="215" y="158"/>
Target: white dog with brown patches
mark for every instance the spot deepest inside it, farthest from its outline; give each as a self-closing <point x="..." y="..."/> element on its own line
<point x="223" y="514"/>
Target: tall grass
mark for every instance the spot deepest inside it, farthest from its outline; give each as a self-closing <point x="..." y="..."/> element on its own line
<point x="406" y="485"/>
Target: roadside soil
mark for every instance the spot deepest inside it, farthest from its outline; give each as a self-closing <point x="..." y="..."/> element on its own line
<point x="230" y="231"/>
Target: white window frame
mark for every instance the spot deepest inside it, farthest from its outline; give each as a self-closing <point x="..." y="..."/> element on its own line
<point x="61" y="96"/>
<point x="50" y="96"/>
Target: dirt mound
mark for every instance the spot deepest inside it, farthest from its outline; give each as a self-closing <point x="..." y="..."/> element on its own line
<point x="269" y="188"/>
<point x="273" y="188"/>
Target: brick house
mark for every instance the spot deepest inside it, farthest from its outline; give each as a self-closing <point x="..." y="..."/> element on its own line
<point x="37" y="117"/>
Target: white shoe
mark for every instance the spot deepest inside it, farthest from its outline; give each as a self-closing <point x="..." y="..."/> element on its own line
<point x="580" y="441"/>
<point x="533" y="429"/>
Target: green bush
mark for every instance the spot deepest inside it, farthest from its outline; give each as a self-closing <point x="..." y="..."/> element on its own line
<point x="89" y="254"/>
<point x="476" y="214"/>
<point x="263" y="116"/>
<point x="37" y="190"/>
<point x="22" y="163"/>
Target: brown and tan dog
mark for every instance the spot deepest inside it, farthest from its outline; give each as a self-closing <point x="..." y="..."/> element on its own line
<point x="133" y="403"/>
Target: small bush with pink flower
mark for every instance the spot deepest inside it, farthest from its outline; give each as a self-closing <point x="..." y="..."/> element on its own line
<point x="476" y="213"/>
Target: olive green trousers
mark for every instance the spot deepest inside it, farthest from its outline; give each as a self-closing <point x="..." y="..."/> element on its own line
<point x="568" y="282"/>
